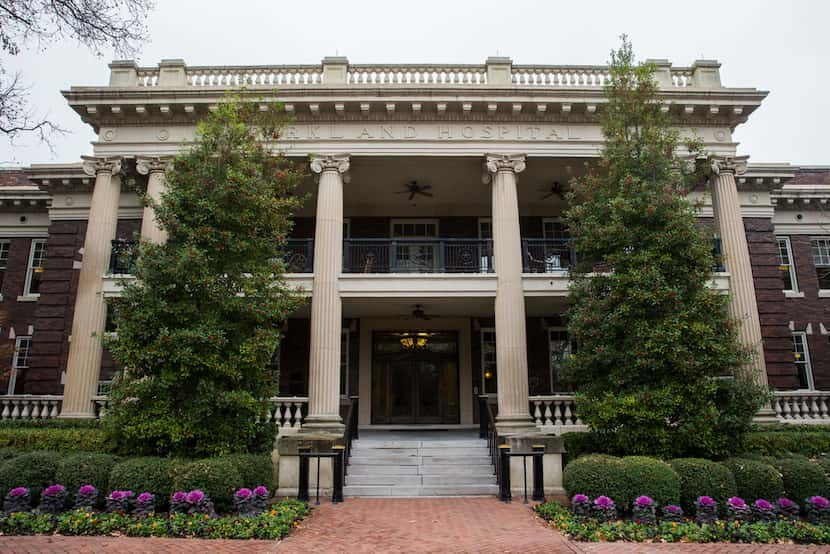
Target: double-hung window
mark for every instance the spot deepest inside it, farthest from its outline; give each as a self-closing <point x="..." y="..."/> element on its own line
<point x="559" y="349"/>
<point x="801" y="357"/>
<point x="786" y="265"/>
<point x="4" y="259"/>
<point x="488" y="361"/>
<point x="821" y="257"/>
<point x="22" y="347"/>
<point x="37" y="256"/>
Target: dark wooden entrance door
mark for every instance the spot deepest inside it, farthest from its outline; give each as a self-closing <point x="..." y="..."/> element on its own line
<point x="415" y="378"/>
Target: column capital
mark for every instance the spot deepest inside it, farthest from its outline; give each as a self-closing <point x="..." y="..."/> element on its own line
<point x="735" y="165"/>
<point x="153" y="164"/>
<point x="332" y="162"/>
<point x="93" y="165"/>
<point x="515" y="163"/>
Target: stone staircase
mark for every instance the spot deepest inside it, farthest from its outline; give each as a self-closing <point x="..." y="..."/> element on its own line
<point x="422" y="463"/>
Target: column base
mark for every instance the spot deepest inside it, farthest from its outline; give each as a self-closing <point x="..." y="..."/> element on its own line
<point x="765" y="416"/>
<point x="511" y="424"/>
<point x="323" y="424"/>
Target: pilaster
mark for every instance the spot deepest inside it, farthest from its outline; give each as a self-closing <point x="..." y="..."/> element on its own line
<point x="84" y="364"/>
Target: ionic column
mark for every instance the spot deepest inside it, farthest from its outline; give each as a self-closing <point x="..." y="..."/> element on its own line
<point x="511" y="341"/>
<point x="154" y="168"/>
<point x="84" y="365"/>
<point x="743" y="306"/>
<point x="326" y="307"/>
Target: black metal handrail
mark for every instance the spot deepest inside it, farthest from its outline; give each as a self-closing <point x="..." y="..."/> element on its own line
<point x="428" y="255"/>
<point x="337" y="454"/>
<point x="487" y="429"/>
<point x="351" y="432"/>
<point x="538" y="456"/>
<point x="299" y="256"/>
<point x="547" y="255"/>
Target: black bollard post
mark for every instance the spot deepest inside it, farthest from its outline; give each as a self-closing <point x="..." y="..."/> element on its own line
<point x="302" y="492"/>
<point x="538" y="473"/>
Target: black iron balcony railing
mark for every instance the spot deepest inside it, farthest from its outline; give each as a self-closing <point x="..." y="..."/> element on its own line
<point x="437" y="255"/>
<point x="547" y="255"/>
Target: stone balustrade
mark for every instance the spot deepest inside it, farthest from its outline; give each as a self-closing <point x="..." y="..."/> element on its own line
<point x="27" y="406"/>
<point x="288" y="413"/>
<point x="547" y="76"/>
<point x="555" y="414"/>
<point x="802" y="406"/>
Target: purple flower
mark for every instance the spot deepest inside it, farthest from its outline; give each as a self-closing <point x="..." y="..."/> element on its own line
<point x="736" y="501"/>
<point x="705" y="500"/>
<point x="195" y="496"/>
<point x="261" y="491"/>
<point x="145" y="497"/>
<point x="819" y="501"/>
<point x="19" y="491"/>
<point x="179" y="496"/>
<point x="762" y="504"/>
<point x="87" y="489"/>
<point x="53" y="490"/>
<point x="603" y="502"/>
<point x="644" y="501"/>
<point x="671" y="508"/>
<point x="785" y="503"/>
<point x="118" y="495"/>
<point x="243" y="493"/>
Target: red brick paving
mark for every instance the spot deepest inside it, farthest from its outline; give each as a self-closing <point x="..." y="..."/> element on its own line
<point x="359" y="525"/>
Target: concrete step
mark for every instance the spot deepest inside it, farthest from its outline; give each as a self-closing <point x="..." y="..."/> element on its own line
<point x="375" y="443"/>
<point x="452" y="480"/>
<point x="453" y="451"/>
<point x="410" y="491"/>
<point x="455" y="469"/>
<point x="385" y="460"/>
<point x="383" y="479"/>
<point x="370" y="451"/>
<point x="453" y="460"/>
<point x="368" y="469"/>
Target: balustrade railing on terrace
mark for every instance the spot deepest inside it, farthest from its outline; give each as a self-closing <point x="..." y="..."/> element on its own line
<point x="550" y="76"/>
<point x="555" y="414"/>
<point x="802" y="406"/>
<point x="437" y="255"/>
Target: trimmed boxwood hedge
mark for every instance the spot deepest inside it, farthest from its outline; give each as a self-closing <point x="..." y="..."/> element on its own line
<point x="650" y="477"/>
<point x="216" y="477"/>
<point x="148" y="474"/>
<point x="59" y="439"/>
<point x="86" y="468"/>
<point x="700" y="477"/>
<point x="254" y="469"/>
<point x="802" y="478"/>
<point x="777" y="443"/>
<point x="824" y="462"/>
<point x="35" y="471"/>
<point x="755" y="479"/>
<point x="8" y="453"/>
<point x="595" y="475"/>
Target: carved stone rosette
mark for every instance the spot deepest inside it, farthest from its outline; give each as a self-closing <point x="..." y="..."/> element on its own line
<point x="93" y="165"/>
<point x="729" y="164"/>
<point x="155" y="164"/>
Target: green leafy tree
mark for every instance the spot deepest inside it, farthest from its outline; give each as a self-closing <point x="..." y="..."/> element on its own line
<point x="652" y="339"/>
<point x="198" y="330"/>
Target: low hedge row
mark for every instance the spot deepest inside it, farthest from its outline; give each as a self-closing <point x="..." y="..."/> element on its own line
<point x="219" y="478"/>
<point x="59" y="439"/>
<point x="685" y="479"/>
<point x="808" y="443"/>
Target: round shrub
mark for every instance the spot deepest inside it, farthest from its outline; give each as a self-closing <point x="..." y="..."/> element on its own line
<point x="824" y="462"/>
<point x="650" y="477"/>
<point x="85" y="468"/>
<point x="35" y="471"/>
<point x="8" y="453"/>
<point x="699" y="477"/>
<point x="147" y="474"/>
<point x="755" y="479"/>
<point x="216" y="477"/>
<point x="802" y="478"/>
<point x="596" y="475"/>
<point x="254" y="469"/>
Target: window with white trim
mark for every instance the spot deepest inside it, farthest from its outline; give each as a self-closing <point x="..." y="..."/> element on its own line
<point x="801" y="358"/>
<point x="414" y="228"/>
<point x="821" y="257"/>
<point x="344" y="362"/>
<point x="554" y="228"/>
<point x="488" y="361"/>
<point x="4" y="259"/>
<point x="485" y="228"/>
<point x="37" y="255"/>
<point x="559" y="349"/>
<point x="785" y="264"/>
<point x="22" y="347"/>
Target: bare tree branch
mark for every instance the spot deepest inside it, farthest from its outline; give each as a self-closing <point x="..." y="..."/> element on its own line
<point x="117" y="25"/>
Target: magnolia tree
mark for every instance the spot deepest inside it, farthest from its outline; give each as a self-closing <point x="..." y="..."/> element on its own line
<point x="198" y="329"/>
<point x="658" y="367"/>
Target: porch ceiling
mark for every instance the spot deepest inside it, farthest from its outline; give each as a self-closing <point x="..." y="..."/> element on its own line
<point x="439" y="308"/>
<point x="456" y="183"/>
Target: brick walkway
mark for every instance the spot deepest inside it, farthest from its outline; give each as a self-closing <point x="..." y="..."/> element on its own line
<point x="457" y="525"/>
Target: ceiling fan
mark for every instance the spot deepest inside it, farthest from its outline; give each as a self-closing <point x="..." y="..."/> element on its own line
<point x="418" y="312"/>
<point x="412" y="188"/>
<point x="555" y="189"/>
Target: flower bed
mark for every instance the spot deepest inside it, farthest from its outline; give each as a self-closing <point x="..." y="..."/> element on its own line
<point x="191" y="514"/>
<point x="761" y="522"/>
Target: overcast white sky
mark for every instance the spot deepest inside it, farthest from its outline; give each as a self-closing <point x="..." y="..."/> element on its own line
<point x="781" y="47"/>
